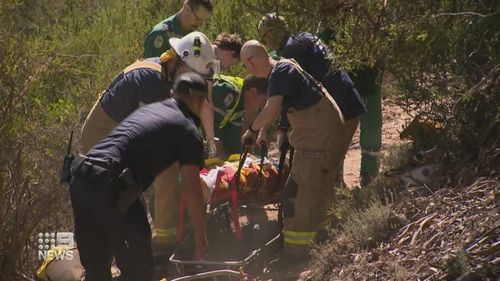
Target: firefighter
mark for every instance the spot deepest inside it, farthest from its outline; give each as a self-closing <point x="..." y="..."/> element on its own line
<point x="191" y="16"/>
<point x="107" y="182"/>
<point x="318" y="134"/>
<point x="315" y="58"/>
<point x="145" y="82"/>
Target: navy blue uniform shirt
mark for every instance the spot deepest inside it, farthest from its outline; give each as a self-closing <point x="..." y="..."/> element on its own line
<point x="153" y="138"/>
<point x="297" y="90"/>
<point x="127" y="90"/>
<point x="316" y="58"/>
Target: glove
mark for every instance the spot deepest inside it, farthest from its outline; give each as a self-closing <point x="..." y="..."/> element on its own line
<point x="282" y="140"/>
<point x="211" y="148"/>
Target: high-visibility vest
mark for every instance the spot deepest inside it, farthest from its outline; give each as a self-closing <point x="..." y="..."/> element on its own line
<point x="231" y="115"/>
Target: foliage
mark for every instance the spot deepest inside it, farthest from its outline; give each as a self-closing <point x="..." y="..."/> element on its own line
<point x="363" y="230"/>
<point x="443" y="56"/>
<point x="452" y="77"/>
<point x="56" y="56"/>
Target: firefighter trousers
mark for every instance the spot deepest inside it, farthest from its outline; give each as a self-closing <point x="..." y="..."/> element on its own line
<point x="96" y="127"/>
<point x="321" y="139"/>
<point x="166" y="205"/>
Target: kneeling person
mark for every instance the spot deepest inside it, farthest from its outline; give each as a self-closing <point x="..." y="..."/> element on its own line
<point x="109" y="218"/>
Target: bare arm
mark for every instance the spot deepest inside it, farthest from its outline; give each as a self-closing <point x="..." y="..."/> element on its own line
<point x="248" y="118"/>
<point x="195" y="206"/>
<point x="265" y="118"/>
<point x="269" y="113"/>
<point x="207" y="115"/>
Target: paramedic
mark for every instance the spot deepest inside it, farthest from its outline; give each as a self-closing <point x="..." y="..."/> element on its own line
<point x="191" y="16"/>
<point x="236" y="103"/>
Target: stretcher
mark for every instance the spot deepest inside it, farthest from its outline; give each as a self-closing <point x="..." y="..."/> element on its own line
<point x="243" y="227"/>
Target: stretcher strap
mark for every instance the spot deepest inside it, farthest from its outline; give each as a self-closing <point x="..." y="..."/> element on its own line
<point x="292" y="152"/>
<point x="234" y="186"/>
<point x="233" y="180"/>
<point x="234" y="213"/>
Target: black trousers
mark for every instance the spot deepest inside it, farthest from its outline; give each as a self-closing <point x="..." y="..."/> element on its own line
<point x="101" y="231"/>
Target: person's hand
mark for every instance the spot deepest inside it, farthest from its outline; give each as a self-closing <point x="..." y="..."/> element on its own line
<point x="221" y="154"/>
<point x="262" y="138"/>
<point x="282" y="140"/>
<point x="248" y="138"/>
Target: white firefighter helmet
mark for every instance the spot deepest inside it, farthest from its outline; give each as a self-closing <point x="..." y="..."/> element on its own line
<point x="196" y="50"/>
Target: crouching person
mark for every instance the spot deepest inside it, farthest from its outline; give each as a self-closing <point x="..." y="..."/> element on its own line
<point x="106" y="183"/>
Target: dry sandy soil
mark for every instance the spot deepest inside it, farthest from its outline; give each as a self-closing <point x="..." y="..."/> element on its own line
<point x="394" y="119"/>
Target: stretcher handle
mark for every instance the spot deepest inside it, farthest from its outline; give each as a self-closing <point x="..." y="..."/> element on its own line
<point x="284" y="149"/>
<point x="263" y="155"/>
<point x="243" y="158"/>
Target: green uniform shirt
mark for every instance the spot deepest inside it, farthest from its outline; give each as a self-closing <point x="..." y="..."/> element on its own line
<point x="228" y="112"/>
<point x="157" y="40"/>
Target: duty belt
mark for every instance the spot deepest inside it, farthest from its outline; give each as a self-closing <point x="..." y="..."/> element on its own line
<point x="82" y="166"/>
<point x="120" y="184"/>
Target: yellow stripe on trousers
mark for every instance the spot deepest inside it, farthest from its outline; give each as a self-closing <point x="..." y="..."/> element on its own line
<point x="166" y="232"/>
<point x="299" y="238"/>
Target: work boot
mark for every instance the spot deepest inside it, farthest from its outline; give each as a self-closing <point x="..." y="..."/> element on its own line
<point x="161" y="256"/>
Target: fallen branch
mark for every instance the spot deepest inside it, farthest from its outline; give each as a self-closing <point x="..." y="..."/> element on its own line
<point x="480" y="239"/>
<point x="431" y="240"/>
<point x="463" y="14"/>
<point x="419" y="230"/>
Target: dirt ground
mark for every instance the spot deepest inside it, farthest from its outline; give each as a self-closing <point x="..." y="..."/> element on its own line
<point x="394" y="119"/>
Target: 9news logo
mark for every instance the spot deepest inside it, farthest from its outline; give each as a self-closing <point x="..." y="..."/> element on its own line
<point x="55" y="245"/>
